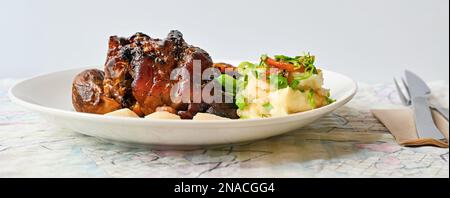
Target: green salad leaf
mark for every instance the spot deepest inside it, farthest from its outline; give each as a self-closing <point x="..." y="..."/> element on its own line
<point x="246" y="65"/>
<point x="228" y="82"/>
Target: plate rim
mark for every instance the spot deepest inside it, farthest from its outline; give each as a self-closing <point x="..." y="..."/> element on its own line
<point x="142" y="121"/>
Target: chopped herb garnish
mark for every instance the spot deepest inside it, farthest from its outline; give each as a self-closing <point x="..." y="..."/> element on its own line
<point x="258" y="73"/>
<point x="278" y="80"/>
<point x="262" y="60"/>
<point x="240" y="102"/>
<point x="304" y="76"/>
<point x="311" y="100"/>
<point x="294" y="84"/>
<point x="268" y="106"/>
<point x="330" y="100"/>
<point x="307" y="61"/>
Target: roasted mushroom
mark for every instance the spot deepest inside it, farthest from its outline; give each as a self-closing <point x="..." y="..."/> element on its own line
<point x="88" y="96"/>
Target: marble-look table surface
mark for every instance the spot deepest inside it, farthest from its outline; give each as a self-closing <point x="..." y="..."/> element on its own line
<point x="350" y="142"/>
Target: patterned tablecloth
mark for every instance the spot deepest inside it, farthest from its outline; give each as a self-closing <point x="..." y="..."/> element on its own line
<point x="347" y="143"/>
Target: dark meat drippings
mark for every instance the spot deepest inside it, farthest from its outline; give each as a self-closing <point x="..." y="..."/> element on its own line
<point x="137" y="76"/>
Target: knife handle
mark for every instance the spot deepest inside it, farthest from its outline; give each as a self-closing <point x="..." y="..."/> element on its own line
<point x="442" y="111"/>
<point x="426" y="128"/>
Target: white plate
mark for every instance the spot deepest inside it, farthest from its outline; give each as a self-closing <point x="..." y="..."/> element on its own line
<point x="50" y="95"/>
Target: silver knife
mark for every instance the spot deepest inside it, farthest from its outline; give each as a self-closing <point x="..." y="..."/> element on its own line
<point x="419" y="96"/>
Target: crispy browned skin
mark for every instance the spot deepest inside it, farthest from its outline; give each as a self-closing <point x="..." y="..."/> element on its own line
<point x="117" y="82"/>
<point x="137" y="76"/>
<point x="153" y="61"/>
<point x="87" y="93"/>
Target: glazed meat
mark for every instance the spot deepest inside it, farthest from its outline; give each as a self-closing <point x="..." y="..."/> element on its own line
<point x="153" y="61"/>
<point x="137" y="75"/>
<point x="117" y="82"/>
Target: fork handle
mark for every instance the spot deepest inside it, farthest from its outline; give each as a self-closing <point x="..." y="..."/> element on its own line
<point x="425" y="125"/>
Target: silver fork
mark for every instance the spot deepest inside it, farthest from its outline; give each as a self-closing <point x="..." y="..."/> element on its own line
<point x="406" y="98"/>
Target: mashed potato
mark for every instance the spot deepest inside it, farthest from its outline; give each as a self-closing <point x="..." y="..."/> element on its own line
<point x="265" y="102"/>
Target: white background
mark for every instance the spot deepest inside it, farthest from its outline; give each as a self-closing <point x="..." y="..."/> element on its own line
<point x="369" y="40"/>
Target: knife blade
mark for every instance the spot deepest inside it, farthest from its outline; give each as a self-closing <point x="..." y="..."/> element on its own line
<point x="419" y="90"/>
